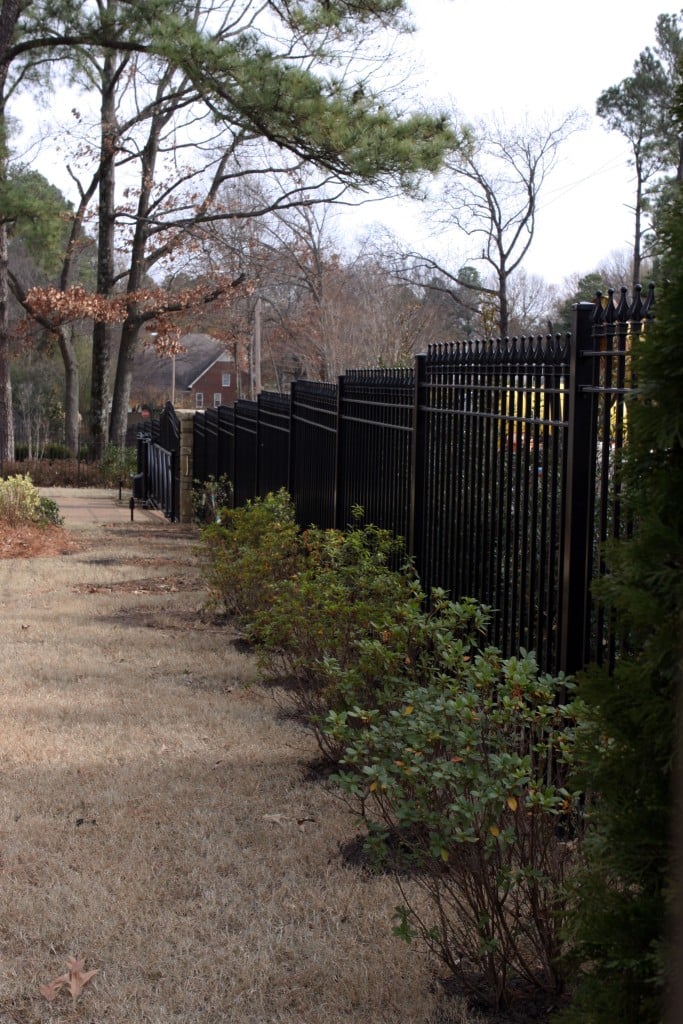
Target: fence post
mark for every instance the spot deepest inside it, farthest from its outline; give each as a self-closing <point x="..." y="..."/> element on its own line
<point x="185" y="465"/>
<point x="175" y="487"/>
<point x="579" y="499"/>
<point x="417" y="462"/>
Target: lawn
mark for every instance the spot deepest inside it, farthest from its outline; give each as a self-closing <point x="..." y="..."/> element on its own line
<point x="158" y="818"/>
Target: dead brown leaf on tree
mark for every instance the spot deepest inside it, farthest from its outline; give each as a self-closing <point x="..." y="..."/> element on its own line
<point x="75" y="980"/>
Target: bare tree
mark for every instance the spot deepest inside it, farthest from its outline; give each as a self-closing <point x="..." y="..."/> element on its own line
<point x="489" y="194"/>
<point x="531" y="301"/>
<point x="262" y="91"/>
<point x="326" y="309"/>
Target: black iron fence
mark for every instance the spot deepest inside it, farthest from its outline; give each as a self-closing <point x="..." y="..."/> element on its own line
<point x="158" y="480"/>
<point x="495" y="460"/>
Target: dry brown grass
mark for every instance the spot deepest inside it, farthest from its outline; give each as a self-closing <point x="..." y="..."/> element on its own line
<point x="156" y="818"/>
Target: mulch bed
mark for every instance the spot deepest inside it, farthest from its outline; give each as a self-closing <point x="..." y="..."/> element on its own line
<point x="36" y="541"/>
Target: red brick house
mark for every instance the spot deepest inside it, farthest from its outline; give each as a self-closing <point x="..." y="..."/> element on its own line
<point x="202" y="376"/>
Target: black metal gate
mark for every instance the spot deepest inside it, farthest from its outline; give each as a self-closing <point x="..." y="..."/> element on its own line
<point x="158" y="480"/>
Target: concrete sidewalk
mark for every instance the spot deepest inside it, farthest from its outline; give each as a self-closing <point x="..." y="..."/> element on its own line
<point x="86" y="507"/>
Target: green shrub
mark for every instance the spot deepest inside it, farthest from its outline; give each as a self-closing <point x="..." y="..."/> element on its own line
<point x="399" y="648"/>
<point x="48" y="514"/>
<point x="250" y="549"/>
<point x="22" y="505"/>
<point x="344" y="588"/>
<point x="458" y="784"/>
<point x="19" y="500"/>
<point x="412" y="643"/>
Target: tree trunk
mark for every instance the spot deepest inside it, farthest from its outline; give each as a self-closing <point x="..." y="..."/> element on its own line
<point x="99" y="394"/>
<point x="102" y="332"/>
<point x="71" y="391"/>
<point x="9" y="14"/>
<point x="638" y="229"/>
<point x="124" y="378"/>
<point x="6" y="412"/>
<point x="503" y="307"/>
<point x="138" y="264"/>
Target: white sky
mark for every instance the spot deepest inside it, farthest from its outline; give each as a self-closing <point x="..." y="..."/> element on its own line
<point x="537" y="57"/>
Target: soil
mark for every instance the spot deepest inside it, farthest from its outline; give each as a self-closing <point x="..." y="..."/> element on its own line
<point x="36" y="541"/>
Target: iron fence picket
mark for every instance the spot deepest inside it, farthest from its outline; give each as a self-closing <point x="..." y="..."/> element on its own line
<point x="375" y="428"/>
<point x="274" y="416"/>
<point x="225" y="462"/>
<point x="485" y="413"/>
<point x="312" y="458"/>
<point x="494" y="459"/>
<point x="245" y="451"/>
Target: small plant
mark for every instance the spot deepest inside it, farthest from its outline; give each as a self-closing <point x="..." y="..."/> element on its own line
<point x="22" y="505"/>
<point x="250" y="549"/>
<point x="19" y="500"/>
<point x="210" y="498"/>
<point x="48" y="514"/>
<point x="343" y="589"/>
<point x="117" y="463"/>
<point x="460" y="784"/>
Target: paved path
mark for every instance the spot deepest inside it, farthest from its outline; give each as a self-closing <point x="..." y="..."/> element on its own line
<point x="86" y="507"/>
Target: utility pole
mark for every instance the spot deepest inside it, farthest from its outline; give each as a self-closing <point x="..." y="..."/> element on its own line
<point x="256" y="351"/>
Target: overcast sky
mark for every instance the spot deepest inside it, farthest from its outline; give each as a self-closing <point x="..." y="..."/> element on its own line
<point x="540" y="57"/>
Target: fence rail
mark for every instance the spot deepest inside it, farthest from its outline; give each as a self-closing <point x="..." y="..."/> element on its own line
<point x="494" y="459"/>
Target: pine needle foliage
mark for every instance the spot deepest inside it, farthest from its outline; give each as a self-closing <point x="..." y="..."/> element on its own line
<point x="623" y="895"/>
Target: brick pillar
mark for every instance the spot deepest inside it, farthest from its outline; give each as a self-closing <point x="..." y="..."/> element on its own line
<point x="186" y="420"/>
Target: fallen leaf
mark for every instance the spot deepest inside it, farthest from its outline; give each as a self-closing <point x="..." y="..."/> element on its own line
<point x="78" y="978"/>
<point x="52" y="990"/>
<point x="75" y="980"/>
<point x="277" y="819"/>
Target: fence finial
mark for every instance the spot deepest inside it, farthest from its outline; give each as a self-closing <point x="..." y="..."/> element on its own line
<point x="649" y="302"/>
<point x="637" y="309"/>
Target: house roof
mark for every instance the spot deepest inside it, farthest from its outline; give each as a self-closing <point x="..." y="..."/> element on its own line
<point x="200" y="352"/>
